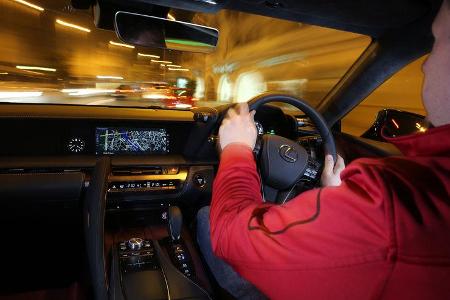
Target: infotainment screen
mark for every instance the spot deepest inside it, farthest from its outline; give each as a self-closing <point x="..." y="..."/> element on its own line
<point x="131" y="141"/>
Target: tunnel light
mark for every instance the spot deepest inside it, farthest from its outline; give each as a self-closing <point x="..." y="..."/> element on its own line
<point x="69" y="90"/>
<point x="4" y="95"/>
<point x="161" y="61"/>
<point x="86" y="92"/>
<point x="36" y="68"/>
<point x="170" y="17"/>
<point x="109" y="77"/>
<point x="148" y="55"/>
<point x="174" y="66"/>
<point x="178" y="69"/>
<point x="4" y="73"/>
<point x="182" y="105"/>
<point x="121" y="45"/>
<point x="63" y="23"/>
<point x="30" y="5"/>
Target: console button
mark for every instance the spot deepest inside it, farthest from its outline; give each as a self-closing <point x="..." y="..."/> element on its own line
<point x="199" y="180"/>
<point x="181" y="257"/>
<point x="186" y="272"/>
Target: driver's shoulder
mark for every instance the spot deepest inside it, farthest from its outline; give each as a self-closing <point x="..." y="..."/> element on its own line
<point x="390" y="173"/>
<point x="386" y="164"/>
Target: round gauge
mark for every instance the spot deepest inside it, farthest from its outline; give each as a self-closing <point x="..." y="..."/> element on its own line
<point x="259" y="128"/>
<point x="76" y="145"/>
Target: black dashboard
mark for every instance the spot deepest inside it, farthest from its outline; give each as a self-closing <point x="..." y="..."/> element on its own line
<point x="37" y="137"/>
<point x="157" y="157"/>
<point x="43" y="134"/>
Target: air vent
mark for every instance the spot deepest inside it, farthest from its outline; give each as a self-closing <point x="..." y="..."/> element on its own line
<point x="42" y="170"/>
<point x="138" y="171"/>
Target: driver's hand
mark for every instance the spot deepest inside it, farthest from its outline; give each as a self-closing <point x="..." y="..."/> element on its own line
<point x="331" y="175"/>
<point x="238" y="127"/>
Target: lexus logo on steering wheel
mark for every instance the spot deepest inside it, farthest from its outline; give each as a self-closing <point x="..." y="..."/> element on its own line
<point x="288" y="153"/>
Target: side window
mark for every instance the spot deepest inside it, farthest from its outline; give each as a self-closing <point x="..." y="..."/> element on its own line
<point x="403" y="91"/>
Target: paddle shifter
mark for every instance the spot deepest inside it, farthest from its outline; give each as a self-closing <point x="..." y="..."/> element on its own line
<point x="177" y="249"/>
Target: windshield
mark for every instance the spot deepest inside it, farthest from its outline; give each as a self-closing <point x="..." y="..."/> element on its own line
<point x="51" y="53"/>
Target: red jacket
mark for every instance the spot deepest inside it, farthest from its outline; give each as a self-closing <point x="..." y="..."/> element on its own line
<point x="384" y="233"/>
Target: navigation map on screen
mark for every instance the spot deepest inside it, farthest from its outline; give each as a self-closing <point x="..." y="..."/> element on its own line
<point x="131" y="141"/>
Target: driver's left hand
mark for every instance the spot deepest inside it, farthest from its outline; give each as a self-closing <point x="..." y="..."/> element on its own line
<point x="238" y="127"/>
<point x="331" y="175"/>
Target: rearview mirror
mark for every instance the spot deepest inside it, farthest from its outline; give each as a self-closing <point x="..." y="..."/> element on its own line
<point x="149" y="31"/>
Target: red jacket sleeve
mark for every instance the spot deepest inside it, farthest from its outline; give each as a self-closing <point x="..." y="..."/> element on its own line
<point x="320" y="228"/>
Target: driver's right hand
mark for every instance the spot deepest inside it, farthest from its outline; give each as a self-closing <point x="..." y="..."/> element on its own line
<point x="238" y="127"/>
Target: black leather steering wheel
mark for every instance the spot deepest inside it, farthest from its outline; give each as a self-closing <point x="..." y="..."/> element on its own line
<point x="283" y="162"/>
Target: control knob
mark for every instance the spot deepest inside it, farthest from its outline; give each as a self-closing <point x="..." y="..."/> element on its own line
<point x="135" y="243"/>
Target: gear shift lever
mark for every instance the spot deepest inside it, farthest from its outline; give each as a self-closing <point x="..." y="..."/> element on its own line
<point x="177" y="249"/>
<point x="175" y="223"/>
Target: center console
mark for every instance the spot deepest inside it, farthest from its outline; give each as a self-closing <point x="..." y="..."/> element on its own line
<point x="157" y="268"/>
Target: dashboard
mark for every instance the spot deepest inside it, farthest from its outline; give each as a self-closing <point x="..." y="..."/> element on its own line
<point x="156" y="156"/>
<point x="63" y="131"/>
<point x="36" y="137"/>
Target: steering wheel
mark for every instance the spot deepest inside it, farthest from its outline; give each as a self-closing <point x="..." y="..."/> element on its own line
<point x="283" y="162"/>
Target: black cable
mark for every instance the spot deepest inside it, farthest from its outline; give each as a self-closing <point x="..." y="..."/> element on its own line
<point x="258" y="213"/>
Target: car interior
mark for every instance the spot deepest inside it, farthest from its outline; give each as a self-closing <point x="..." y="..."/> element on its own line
<point x="103" y="221"/>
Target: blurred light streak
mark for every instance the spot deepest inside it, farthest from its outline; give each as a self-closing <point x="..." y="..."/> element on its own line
<point x="121" y="45"/>
<point x="182" y="105"/>
<point x="109" y="77"/>
<point x="395" y="123"/>
<point x="199" y="88"/>
<point x="249" y="85"/>
<point x="63" y="23"/>
<point x="36" y="68"/>
<point x="148" y="55"/>
<point x="170" y="17"/>
<point x="282" y="59"/>
<point x="101" y="102"/>
<point x="5" y="95"/>
<point x="34" y="72"/>
<point x="4" y="73"/>
<point x="161" y="61"/>
<point x="178" y="69"/>
<point x="225" y="88"/>
<point x="30" y="5"/>
<point x="421" y="129"/>
<point x="157" y="96"/>
<point x="174" y="66"/>
<point x="86" y="92"/>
